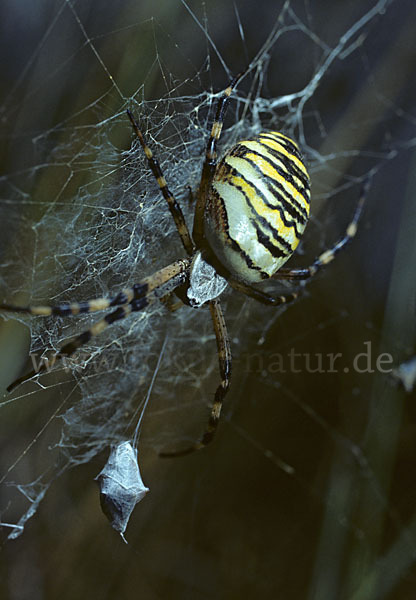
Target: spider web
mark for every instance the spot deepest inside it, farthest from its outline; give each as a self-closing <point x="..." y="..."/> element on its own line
<point x="82" y="217"/>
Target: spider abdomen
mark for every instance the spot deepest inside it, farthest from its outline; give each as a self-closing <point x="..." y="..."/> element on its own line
<point x="258" y="206"/>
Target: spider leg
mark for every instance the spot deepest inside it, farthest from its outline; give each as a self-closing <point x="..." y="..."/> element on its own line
<point x="210" y="161"/>
<point x="261" y="296"/>
<point x="174" y="207"/>
<point x="166" y="284"/>
<point x="127" y="295"/>
<point x="224" y="358"/>
<point x="68" y="349"/>
<point x="171" y="302"/>
<point x="190" y="195"/>
<point x="328" y="256"/>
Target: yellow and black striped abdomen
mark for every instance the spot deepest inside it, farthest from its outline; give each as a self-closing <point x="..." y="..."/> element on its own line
<point x="257" y="206"/>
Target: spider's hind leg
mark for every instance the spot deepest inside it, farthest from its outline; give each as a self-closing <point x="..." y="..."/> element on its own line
<point x="261" y="296"/>
<point x="303" y="273"/>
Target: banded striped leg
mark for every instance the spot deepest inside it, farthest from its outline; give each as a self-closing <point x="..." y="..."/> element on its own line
<point x="328" y="256"/>
<point x="210" y="161"/>
<point x="261" y="296"/>
<point x="152" y="288"/>
<point x="127" y="295"/>
<point x="174" y="207"/>
<point x="224" y="358"/>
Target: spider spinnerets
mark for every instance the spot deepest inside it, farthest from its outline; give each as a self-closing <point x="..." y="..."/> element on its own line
<point x="251" y="210"/>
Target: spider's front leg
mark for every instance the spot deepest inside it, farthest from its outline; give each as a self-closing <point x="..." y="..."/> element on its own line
<point x="175" y="209"/>
<point x="127" y="295"/>
<point x="224" y="359"/>
<point x="210" y="162"/>
<point x="133" y="299"/>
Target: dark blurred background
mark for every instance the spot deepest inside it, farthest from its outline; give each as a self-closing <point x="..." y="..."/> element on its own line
<point x="309" y="489"/>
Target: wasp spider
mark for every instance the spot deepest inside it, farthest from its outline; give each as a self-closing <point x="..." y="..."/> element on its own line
<point x="251" y="210"/>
